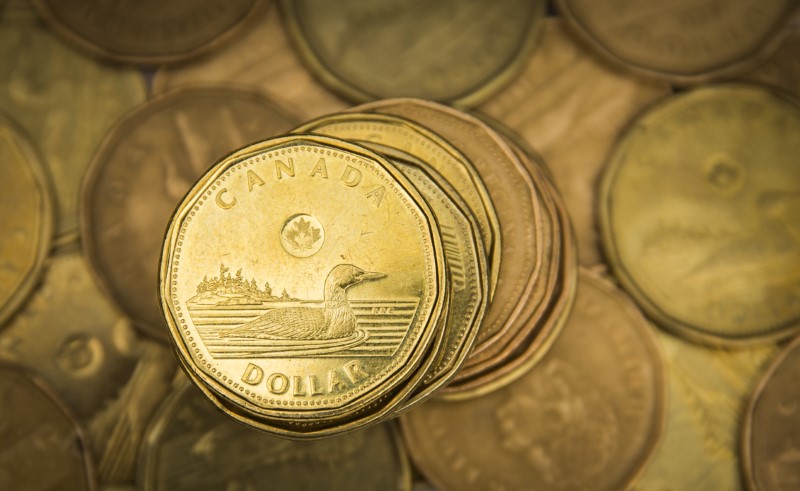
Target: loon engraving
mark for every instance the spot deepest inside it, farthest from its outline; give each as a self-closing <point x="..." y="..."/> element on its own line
<point x="335" y="320"/>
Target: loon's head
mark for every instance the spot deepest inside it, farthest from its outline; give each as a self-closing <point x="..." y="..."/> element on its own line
<point x="346" y="275"/>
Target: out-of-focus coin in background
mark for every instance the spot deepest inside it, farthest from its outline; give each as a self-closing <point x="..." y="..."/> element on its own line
<point x="26" y="208"/>
<point x="147" y="31"/>
<point x="43" y="447"/>
<point x="141" y="171"/>
<point x="454" y="50"/>
<point x="708" y="390"/>
<point x="190" y="445"/>
<point x="683" y="42"/>
<point x="111" y="379"/>
<point x="262" y="58"/>
<point x="569" y="107"/>
<point x="771" y="439"/>
<point x="700" y="214"/>
<point x="65" y="100"/>
<point x="782" y="70"/>
<point x="587" y="417"/>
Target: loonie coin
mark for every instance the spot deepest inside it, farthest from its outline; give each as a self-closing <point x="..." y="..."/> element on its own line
<point x="147" y="32"/>
<point x="262" y="58"/>
<point x="112" y="380"/>
<point x="458" y="51"/>
<point x="191" y="446"/>
<point x="43" y="448"/>
<point x="699" y="207"/>
<point x="587" y="417"/>
<point x="64" y="100"/>
<point x="708" y="391"/>
<point x="691" y="42"/>
<point x="144" y="167"/>
<point x="27" y="225"/>
<point x="355" y="253"/>
<point x="771" y="439"/>
<point x="570" y="107"/>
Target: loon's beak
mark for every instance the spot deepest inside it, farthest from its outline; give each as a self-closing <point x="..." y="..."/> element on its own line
<point x="370" y="276"/>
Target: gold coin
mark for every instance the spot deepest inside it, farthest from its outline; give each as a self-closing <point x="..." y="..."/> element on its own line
<point x="699" y="210"/>
<point x="587" y="417"/>
<point x="310" y="217"/>
<point x="458" y="51"/>
<point x="191" y="446"/>
<point x="144" y="167"/>
<point x="27" y="225"/>
<point x="112" y="380"/>
<point x="262" y="58"/>
<point x="149" y="32"/>
<point x="782" y="69"/>
<point x="681" y="42"/>
<point x="708" y="390"/>
<point x="570" y="107"/>
<point x="771" y="437"/>
<point x="43" y="446"/>
<point x="405" y="139"/>
<point x="64" y="100"/>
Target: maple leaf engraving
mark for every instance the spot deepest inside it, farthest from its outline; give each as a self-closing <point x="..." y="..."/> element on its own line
<point x="302" y="235"/>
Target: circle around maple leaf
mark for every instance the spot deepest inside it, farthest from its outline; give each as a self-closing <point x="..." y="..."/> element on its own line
<point x="302" y="235"/>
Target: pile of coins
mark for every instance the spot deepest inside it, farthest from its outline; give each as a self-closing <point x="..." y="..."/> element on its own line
<point x="333" y="266"/>
<point x="386" y="242"/>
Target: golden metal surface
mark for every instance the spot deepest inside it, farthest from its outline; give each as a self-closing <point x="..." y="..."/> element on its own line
<point x="771" y="438"/>
<point x="147" y="32"/>
<point x="686" y="42"/>
<point x="63" y="99"/>
<point x="310" y="214"/>
<point x="699" y="208"/>
<point x="262" y="58"/>
<point x="570" y="107"/>
<point x="587" y="417"/>
<point x="782" y="69"/>
<point x="142" y="170"/>
<point x="457" y="50"/>
<point x="26" y="228"/>
<point x="43" y="447"/>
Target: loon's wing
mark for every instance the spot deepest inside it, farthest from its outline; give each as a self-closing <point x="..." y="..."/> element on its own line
<point x="285" y="323"/>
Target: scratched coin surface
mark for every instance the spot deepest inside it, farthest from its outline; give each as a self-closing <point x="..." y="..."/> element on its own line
<point x="26" y="207"/>
<point x="454" y="50"/>
<point x="771" y="440"/>
<point x="293" y="335"/>
<point x="700" y="210"/>
<point x="144" y="167"/>
<point x="111" y="379"/>
<point x="192" y="446"/>
<point x="147" y="32"/>
<point x="43" y="447"/>
<point x="587" y="417"/>
<point x="683" y="42"/>
<point x="66" y="101"/>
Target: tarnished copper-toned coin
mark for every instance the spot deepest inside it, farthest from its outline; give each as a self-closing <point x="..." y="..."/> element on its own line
<point x="63" y="99"/>
<point x="682" y="42"/>
<point x="782" y="69"/>
<point x="192" y="446"/>
<point x="699" y="210"/>
<point x="142" y="170"/>
<point x="771" y="439"/>
<point x="26" y="229"/>
<point x="112" y="380"/>
<point x="708" y="391"/>
<point x="43" y="447"/>
<point x="147" y="32"/>
<point x="455" y="50"/>
<point x="408" y="140"/>
<point x="516" y="200"/>
<point x="262" y="58"/>
<point x="587" y="417"/>
<point x="354" y="250"/>
<point x="570" y="107"/>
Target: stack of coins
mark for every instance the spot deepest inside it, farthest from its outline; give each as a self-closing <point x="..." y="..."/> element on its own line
<point x="379" y="244"/>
